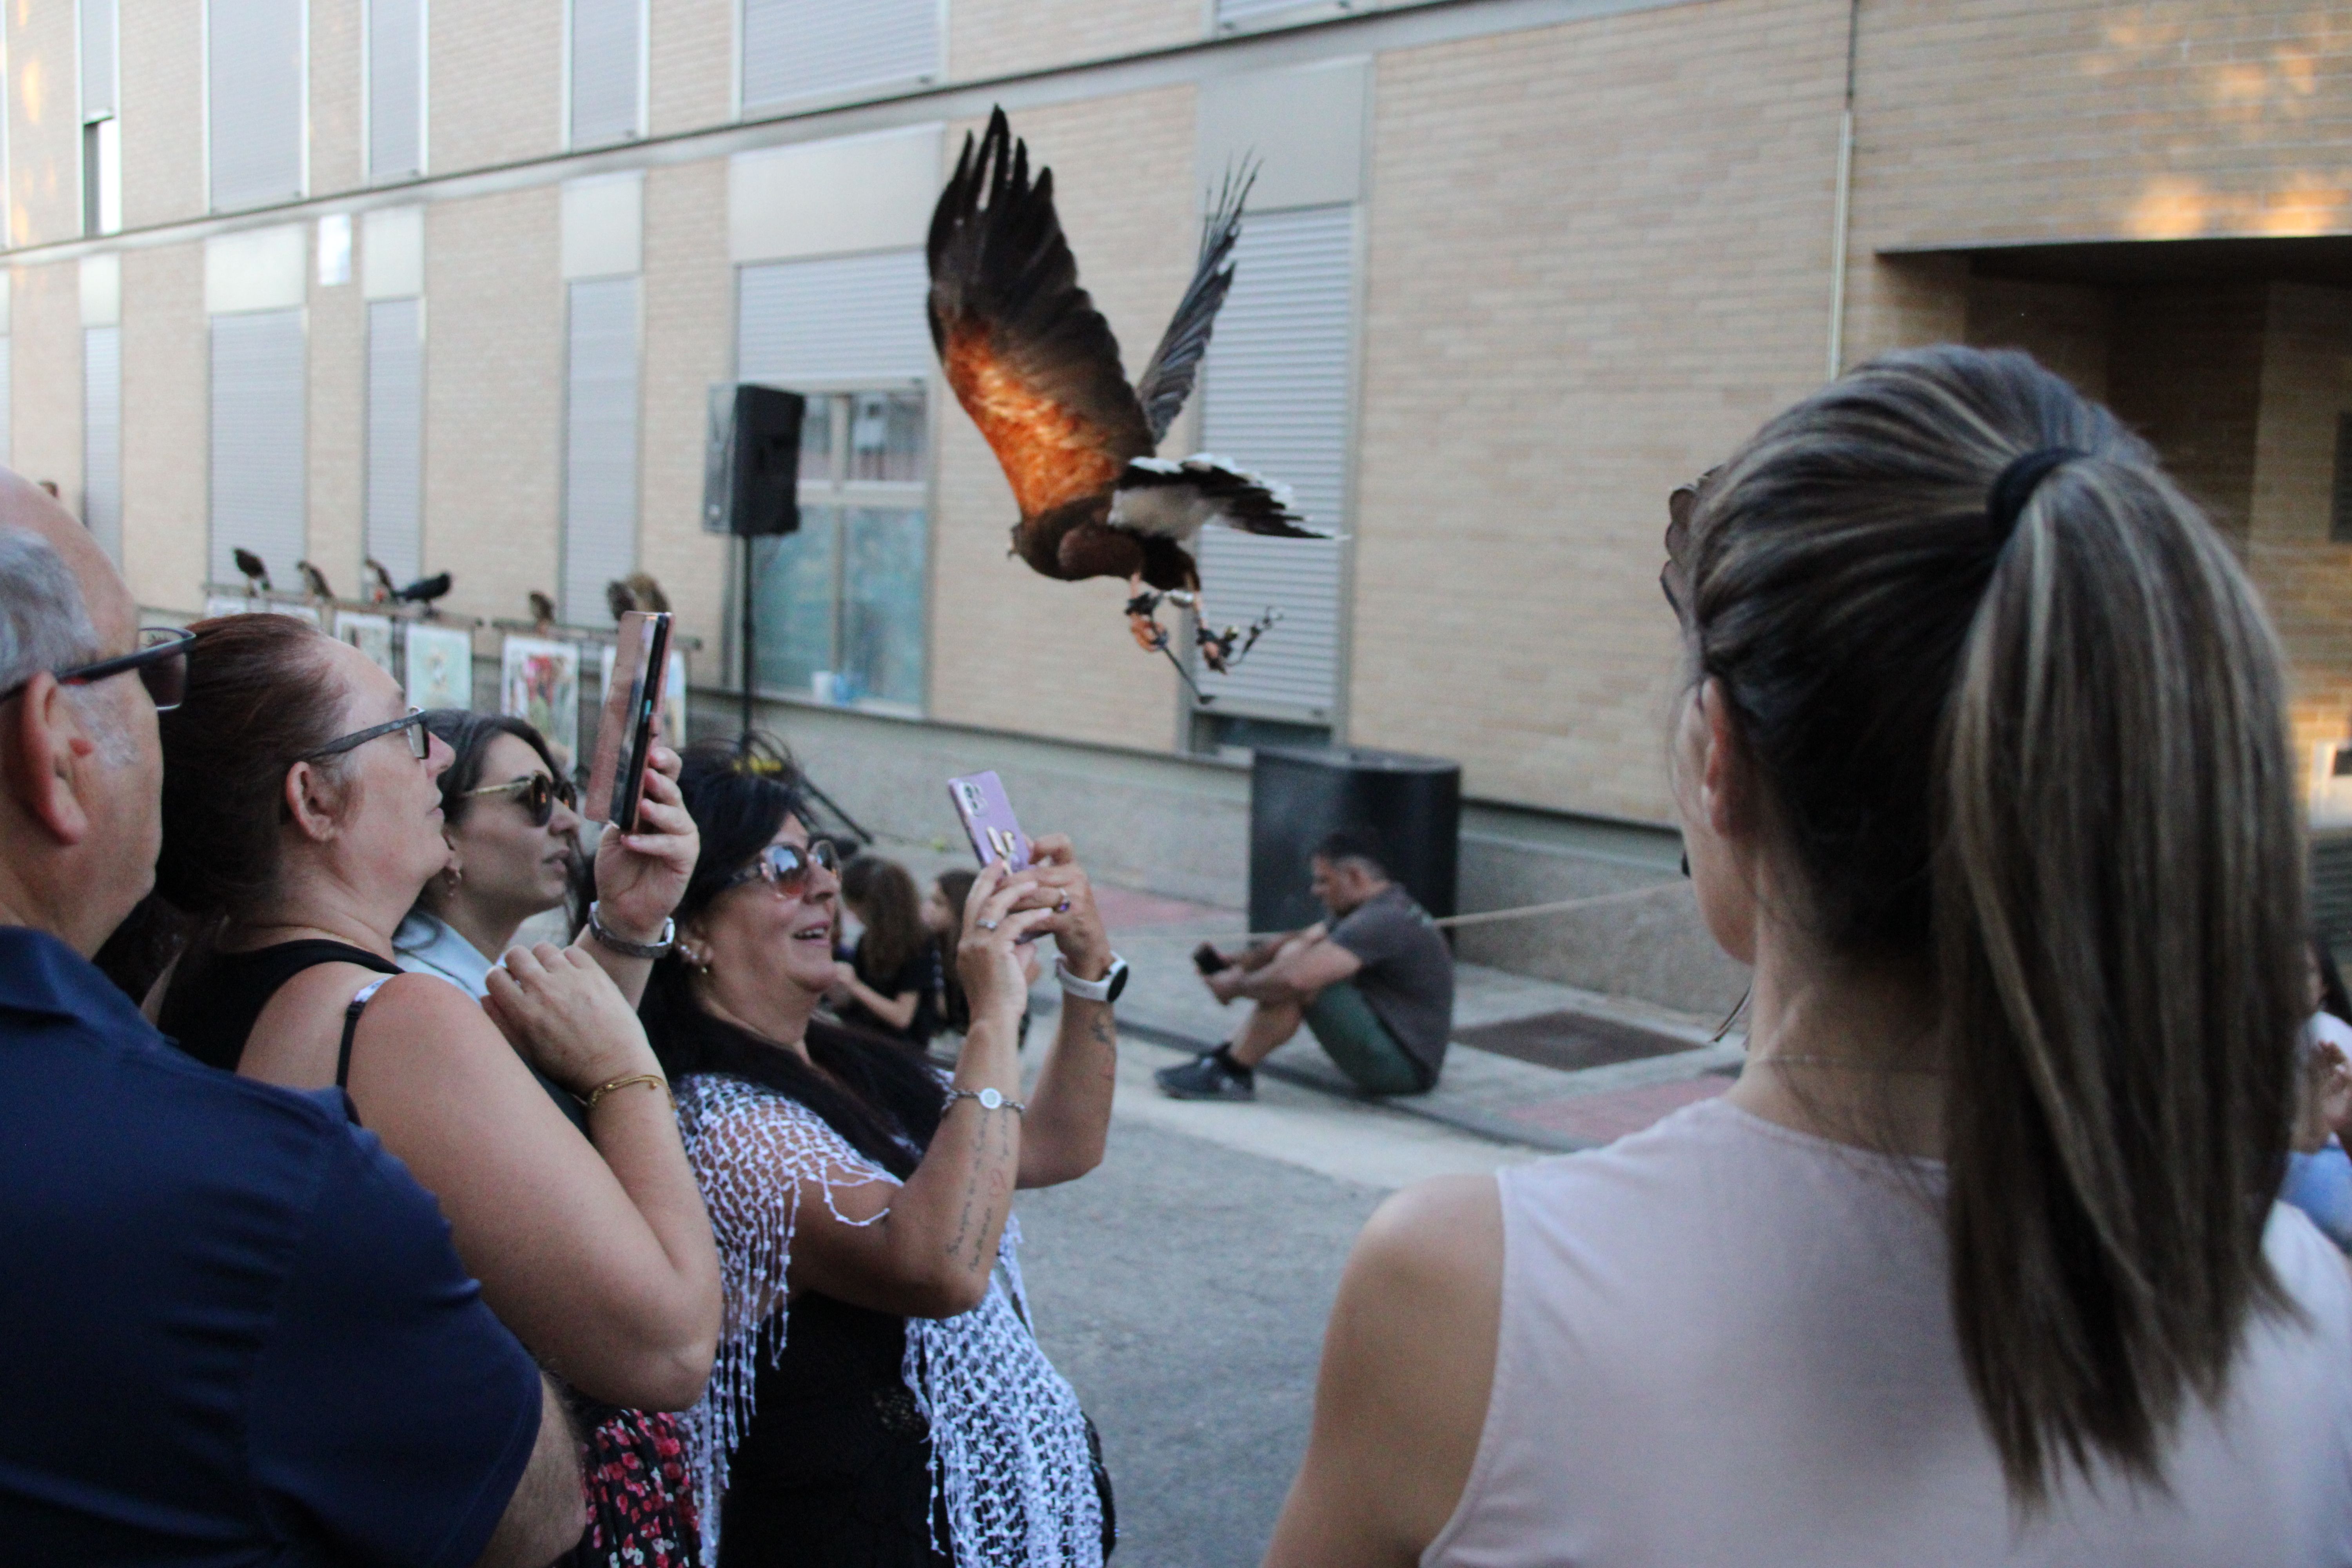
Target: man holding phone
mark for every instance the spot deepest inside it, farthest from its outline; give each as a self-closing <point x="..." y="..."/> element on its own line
<point x="1374" y="984"/>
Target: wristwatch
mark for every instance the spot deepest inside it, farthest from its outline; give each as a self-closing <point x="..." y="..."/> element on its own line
<point x="1107" y="989"/>
<point x="989" y="1099"/>
<point x="627" y="949"/>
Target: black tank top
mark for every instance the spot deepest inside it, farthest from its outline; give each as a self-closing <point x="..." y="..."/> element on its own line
<point x="211" y="1012"/>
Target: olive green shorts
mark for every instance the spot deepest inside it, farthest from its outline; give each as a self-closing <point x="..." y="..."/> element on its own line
<point x="1352" y="1034"/>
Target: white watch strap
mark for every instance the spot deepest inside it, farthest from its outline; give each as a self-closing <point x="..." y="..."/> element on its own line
<point x="1089" y="990"/>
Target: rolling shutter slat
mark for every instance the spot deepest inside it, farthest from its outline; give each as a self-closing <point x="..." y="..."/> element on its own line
<point x="607" y="49"/>
<point x="801" y="48"/>
<point x="395" y="89"/>
<point x="395" y="436"/>
<point x="101" y="436"/>
<point x="1274" y="400"/>
<point x="600" y="447"/>
<point x="254" y="50"/>
<point x="257" y="446"/>
<point x="848" y="319"/>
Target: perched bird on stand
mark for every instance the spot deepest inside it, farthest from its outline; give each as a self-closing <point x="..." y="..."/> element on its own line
<point x="543" y="613"/>
<point x="314" y="581"/>
<point x="380" y="590"/>
<point x="637" y="591"/>
<point x="1036" y="366"/>
<point x="257" y="575"/>
<point x="424" y="591"/>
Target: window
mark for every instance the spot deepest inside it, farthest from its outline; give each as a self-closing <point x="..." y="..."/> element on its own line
<point x="258" y="448"/>
<point x="255" y="80"/>
<point x="101" y="139"/>
<point x="1275" y="399"/>
<point x="101" y="436"/>
<point x="395" y="436"/>
<point x="600" y="446"/>
<point x="607" y="41"/>
<point x="395" y="90"/>
<point x="798" y="49"/>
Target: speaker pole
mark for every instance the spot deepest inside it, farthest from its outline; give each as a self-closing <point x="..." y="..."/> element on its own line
<point x="751" y="635"/>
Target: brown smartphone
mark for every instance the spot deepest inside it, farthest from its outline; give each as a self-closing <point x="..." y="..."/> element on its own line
<point x="624" y="736"/>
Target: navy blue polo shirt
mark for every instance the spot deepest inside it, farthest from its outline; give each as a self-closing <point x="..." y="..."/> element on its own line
<point x="232" y="1328"/>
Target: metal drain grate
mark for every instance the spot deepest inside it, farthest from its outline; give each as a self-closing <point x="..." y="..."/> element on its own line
<point x="1572" y="1040"/>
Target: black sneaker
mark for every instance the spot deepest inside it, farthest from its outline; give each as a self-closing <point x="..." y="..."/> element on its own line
<point x="1208" y="1076"/>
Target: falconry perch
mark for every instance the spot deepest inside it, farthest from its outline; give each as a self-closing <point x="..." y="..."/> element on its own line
<point x="1035" y="365"/>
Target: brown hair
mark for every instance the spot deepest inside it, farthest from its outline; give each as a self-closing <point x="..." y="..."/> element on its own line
<point x="2046" y="762"/>
<point x="890" y="908"/>
<point x="258" y="699"/>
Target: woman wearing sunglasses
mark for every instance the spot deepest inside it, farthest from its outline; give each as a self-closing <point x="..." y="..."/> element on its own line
<point x="302" y="818"/>
<point x="878" y="1397"/>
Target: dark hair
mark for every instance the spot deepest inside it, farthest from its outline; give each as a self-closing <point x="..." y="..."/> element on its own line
<point x="891" y="911"/>
<point x="1359" y="843"/>
<point x="258" y="697"/>
<point x="955" y="886"/>
<point x="469" y="736"/>
<point x="2333" y="998"/>
<point x="2042" y="759"/>
<point x="739" y="793"/>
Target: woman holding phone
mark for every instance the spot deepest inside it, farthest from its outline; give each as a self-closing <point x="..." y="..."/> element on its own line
<point x="302" y="819"/>
<point x="879" y="1398"/>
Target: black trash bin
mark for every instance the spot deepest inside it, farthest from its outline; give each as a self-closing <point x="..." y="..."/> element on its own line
<point x="1411" y="805"/>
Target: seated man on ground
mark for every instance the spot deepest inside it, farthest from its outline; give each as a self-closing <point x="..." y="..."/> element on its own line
<point x="237" y="1331"/>
<point x="1374" y="982"/>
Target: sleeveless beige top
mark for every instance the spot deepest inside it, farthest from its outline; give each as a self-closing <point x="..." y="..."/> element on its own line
<point x="1722" y="1342"/>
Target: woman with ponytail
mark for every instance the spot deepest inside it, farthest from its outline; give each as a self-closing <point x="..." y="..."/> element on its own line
<point x="1982" y="759"/>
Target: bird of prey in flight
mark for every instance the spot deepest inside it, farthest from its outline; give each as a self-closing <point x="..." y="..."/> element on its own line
<point x="1035" y="365"/>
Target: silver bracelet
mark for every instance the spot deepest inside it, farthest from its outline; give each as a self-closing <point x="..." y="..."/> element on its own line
<point x="989" y="1099"/>
<point x="627" y="949"/>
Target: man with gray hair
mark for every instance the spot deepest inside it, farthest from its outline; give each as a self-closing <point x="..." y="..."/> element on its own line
<point x="236" y="1329"/>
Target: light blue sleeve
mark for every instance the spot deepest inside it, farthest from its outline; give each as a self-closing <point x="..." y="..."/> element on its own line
<point x="2320" y="1185"/>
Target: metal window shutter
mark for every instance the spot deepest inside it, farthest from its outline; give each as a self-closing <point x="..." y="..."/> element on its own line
<point x="1275" y="399"/>
<point x="395" y="436"/>
<point x="101" y="436"/>
<point x="600" y="447"/>
<point x="96" y="59"/>
<point x="257" y="447"/>
<point x="254" y="52"/>
<point x="800" y="49"/>
<point x="607" y="49"/>
<point x="842" y="319"/>
<point x="395" y="89"/>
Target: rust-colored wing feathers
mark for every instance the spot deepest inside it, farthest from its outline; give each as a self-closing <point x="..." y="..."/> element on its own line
<point x="1030" y="358"/>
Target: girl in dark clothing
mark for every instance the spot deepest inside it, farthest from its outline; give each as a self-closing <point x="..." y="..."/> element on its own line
<point x="891" y="986"/>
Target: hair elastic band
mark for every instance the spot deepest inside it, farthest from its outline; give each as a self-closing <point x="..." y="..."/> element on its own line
<point x="2017" y="483"/>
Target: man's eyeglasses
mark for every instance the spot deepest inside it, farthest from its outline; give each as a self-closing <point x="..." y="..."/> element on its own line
<point x="537" y="794"/>
<point x="411" y="724"/>
<point x="161" y="659"/>
<point x="786" y="866"/>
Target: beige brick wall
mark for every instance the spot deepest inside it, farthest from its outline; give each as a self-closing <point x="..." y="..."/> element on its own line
<point x="1009" y="648"/>
<point x="497" y="83"/>
<point x="1598" y="260"/>
<point x="45" y="373"/>
<point x="2186" y="372"/>
<point x="161" y="111"/>
<point x="689" y="290"/>
<point x="337" y="162"/>
<point x="494" y="397"/>
<point x="166" y="405"/>
<point x="44" y="142"/>
<point x="692" y="49"/>
<point x="338" y="431"/>
<point x="998" y="38"/>
<point x="2069" y="327"/>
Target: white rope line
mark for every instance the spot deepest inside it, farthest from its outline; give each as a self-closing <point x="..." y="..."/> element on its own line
<point x="1489" y="917"/>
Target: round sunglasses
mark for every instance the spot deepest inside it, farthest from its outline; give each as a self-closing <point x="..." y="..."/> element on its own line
<point x="786" y="866"/>
<point x="161" y="661"/>
<point x="537" y="794"/>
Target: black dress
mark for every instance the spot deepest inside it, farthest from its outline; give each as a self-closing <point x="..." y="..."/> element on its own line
<point x="919" y="974"/>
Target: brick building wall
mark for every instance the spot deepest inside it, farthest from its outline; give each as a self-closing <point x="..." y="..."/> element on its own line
<point x="337" y="431"/>
<point x="690" y="332"/>
<point x="338" y="153"/>
<point x="166" y="468"/>
<point x="990" y="39"/>
<point x="44" y="142"/>
<point x="161" y="111"/>
<point x="45" y="373"/>
<point x="692" y="54"/>
<point x="496" y="90"/>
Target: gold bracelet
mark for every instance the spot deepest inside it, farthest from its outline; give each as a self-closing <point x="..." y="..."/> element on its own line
<point x="601" y="1089"/>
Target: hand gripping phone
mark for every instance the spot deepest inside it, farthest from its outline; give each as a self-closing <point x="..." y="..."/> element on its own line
<point x="624" y="735"/>
<point x="988" y="820"/>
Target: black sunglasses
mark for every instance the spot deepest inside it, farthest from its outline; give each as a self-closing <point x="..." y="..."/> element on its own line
<point x="537" y="794"/>
<point x="411" y="722"/>
<point x="786" y="867"/>
<point x="161" y="659"/>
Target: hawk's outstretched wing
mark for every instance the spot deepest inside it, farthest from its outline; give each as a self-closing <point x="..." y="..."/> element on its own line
<point x="1167" y="381"/>
<point x="1030" y="358"/>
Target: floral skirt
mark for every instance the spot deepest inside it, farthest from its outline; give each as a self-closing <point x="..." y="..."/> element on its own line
<point x="640" y="1495"/>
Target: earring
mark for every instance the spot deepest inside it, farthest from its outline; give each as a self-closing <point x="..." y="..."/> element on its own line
<point x="456" y="874"/>
<point x="698" y="961"/>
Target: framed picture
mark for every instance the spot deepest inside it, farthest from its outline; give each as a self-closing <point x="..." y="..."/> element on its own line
<point x="440" y="666"/>
<point x="539" y="680"/>
<point x="372" y="635"/>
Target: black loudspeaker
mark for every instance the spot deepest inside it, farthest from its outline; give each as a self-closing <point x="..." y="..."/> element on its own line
<point x="751" y="462"/>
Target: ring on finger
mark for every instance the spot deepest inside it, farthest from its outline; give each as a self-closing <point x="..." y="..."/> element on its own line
<point x="1063" y="908"/>
<point x="985" y="925"/>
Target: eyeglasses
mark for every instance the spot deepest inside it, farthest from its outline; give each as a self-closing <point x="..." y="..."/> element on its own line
<point x="786" y="866"/>
<point x="412" y="723"/>
<point x="161" y="659"/>
<point x="537" y="794"/>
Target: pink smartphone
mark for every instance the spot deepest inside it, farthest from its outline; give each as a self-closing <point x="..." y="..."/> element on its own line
<point x="624" y="740"/>
<point x="988" y="820"/>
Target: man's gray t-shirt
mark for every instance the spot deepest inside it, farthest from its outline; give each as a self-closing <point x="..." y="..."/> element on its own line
<point x="1408" y="972"/>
